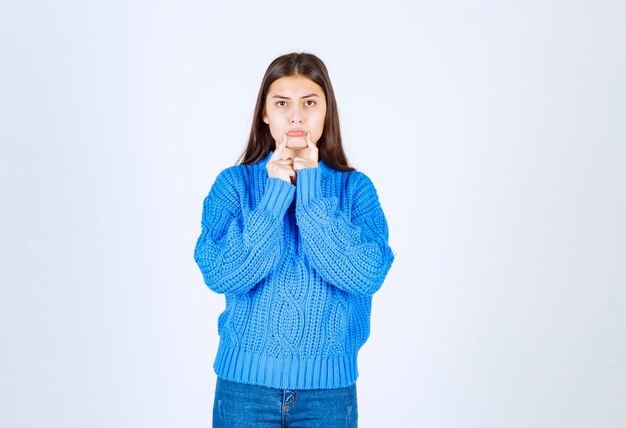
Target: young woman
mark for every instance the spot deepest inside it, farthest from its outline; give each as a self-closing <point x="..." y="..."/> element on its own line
<point x="296" y="240"/>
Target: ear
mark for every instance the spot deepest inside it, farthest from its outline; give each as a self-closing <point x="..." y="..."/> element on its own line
<point x="265" y="118"/>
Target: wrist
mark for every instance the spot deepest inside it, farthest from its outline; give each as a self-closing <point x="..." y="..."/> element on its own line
<point x="309" y="184"/>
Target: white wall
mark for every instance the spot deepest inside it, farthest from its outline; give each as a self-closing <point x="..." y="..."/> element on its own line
<point x="495" y="132"/>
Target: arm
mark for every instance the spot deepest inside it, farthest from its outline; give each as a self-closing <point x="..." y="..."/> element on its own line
<point x="347" y="249"/>
<point x="238" y="247"/>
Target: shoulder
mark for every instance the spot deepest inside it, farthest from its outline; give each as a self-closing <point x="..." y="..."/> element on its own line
<point x="244" y="172"/>
<point x="361" y="178"/>
<point x="354" y="181"/>
<point x="227" y="184"/>
<point x="362" y="191"/>
<point x="363" y="187"/>
<point x="237" y="175"/>
<point x="237" y="172"/>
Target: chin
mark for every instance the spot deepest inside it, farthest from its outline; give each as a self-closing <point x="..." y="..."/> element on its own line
<point x="297" y="144"/>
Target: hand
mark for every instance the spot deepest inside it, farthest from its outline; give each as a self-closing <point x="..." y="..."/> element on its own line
<point x="277" y="167"/>
<point x="310" y="161"/>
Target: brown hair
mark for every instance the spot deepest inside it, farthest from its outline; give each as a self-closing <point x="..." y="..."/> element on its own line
<point x="329" y="144"/>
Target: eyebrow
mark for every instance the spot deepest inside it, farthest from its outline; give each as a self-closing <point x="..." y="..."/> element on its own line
<point x="287" y="98"/>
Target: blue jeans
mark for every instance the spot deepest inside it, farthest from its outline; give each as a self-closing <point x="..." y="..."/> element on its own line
<point x="238" y="405"/>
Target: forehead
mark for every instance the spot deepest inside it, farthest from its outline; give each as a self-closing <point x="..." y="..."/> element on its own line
<point x="294" y="86"/>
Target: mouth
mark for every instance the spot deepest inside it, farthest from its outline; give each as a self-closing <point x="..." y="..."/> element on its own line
<point x="296" y="133"/>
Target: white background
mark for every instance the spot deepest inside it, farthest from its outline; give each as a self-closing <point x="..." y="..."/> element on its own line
<point x="494" y="131"/>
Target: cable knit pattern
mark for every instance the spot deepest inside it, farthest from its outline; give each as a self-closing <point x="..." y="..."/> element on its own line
<point x="298" y="266"/>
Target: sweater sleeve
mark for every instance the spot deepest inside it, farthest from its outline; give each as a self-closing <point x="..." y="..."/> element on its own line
<point x="348" y="249"/>
<point x="238" y="246"/>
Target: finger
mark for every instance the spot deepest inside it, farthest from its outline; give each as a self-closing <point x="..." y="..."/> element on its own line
<point x="280" y="148"/>
<point x="302" y="163"/>
<point x="313" y="151"/>
<point x="283" y="163"/>
<point x="286" y="170"/>
<point x="284" y="139"/>
<point x="279" y="167"/>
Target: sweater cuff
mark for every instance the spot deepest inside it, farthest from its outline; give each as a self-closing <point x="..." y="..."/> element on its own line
<point x="309" y="184"/>
<point x="277" y="197"/>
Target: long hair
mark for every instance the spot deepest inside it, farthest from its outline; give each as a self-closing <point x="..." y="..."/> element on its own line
<point x="329" y="145"/>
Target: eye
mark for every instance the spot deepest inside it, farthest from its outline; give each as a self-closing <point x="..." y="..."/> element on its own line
<point x="309" y="103"/>
<point x="281" y="103"/>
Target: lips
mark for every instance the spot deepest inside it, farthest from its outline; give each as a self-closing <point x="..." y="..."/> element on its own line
<point x="296" y="133"/>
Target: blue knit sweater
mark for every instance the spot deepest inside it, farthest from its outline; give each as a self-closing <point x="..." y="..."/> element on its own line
<point x="298" y="266"/>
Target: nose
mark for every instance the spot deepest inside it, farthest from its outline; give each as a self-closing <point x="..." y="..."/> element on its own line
<point x="296" y="115"/>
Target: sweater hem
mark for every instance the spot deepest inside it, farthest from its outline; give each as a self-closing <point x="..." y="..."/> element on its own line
<point x="241" y="366"/>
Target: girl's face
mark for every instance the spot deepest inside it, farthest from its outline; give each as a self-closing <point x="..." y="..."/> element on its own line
<point x="294" y="106"/>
